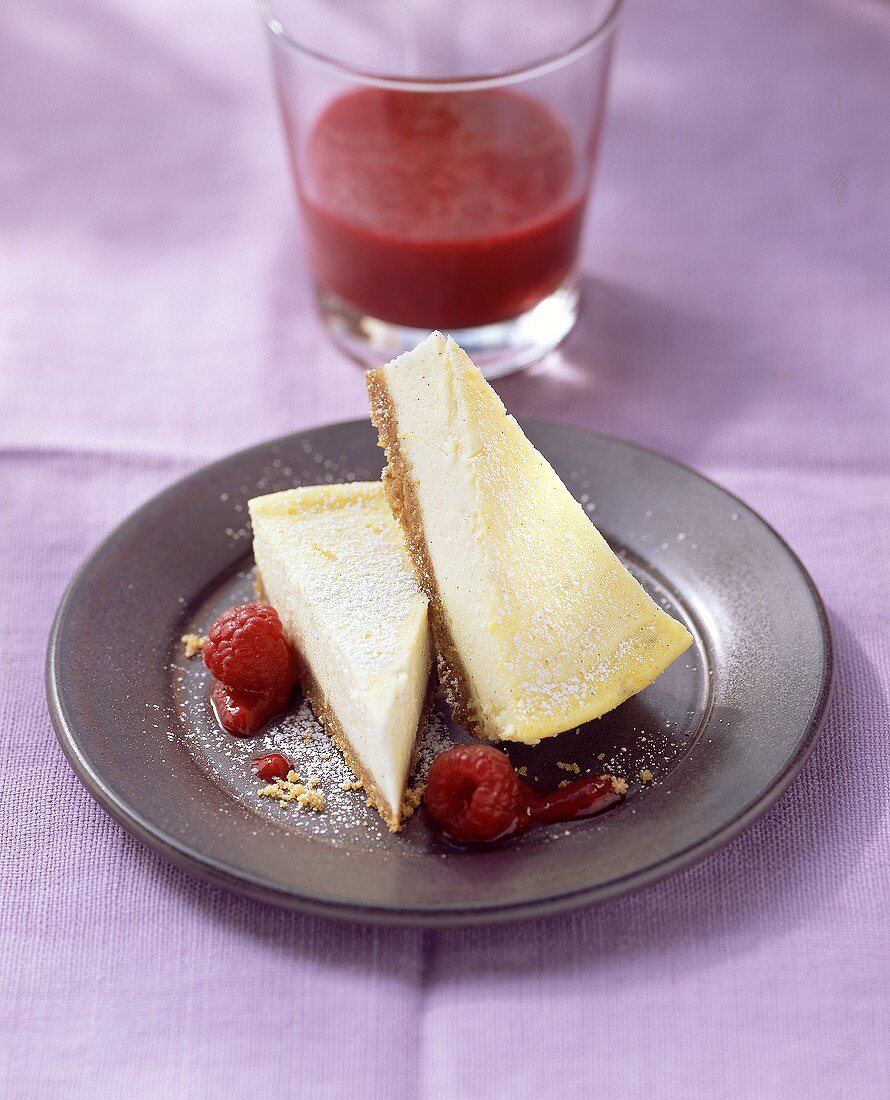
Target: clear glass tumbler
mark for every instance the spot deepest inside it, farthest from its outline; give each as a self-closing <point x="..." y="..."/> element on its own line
<point x="442" y="154"/>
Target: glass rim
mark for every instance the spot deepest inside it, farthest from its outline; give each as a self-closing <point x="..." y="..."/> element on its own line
<point x="539" y="67"/>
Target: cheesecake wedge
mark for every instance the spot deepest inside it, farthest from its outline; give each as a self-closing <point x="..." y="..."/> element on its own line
<point x="331" y="561"/>
<point x="538" y="626"/>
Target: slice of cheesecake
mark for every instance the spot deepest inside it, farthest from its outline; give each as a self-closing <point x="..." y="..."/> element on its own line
<point x="537" y="624"/>
<point x="331" y="561"/>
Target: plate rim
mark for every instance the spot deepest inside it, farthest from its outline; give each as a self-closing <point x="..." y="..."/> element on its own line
<point x="211" y="870"/>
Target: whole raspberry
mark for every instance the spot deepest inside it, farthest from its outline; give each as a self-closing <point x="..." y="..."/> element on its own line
<point x="472" y="793"/>
<point x="247" y="651"/>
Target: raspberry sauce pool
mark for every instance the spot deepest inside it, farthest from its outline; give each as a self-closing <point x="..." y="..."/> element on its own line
<point x="446" y="210"/>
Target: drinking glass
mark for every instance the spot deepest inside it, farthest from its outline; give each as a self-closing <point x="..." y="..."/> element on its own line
<point x="442" y="154"/>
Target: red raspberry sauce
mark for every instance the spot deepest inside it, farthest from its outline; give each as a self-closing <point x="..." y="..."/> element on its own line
<point x="579" y="799"/>
<point x="243" y="713"/>
<point x="269" y="767"/>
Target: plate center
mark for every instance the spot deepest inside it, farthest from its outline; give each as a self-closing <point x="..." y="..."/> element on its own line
<point x="642" y="741"/>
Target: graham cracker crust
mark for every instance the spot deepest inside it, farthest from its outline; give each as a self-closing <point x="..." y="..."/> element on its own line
<point x="398" y="486"/>
<point x="394" y="817"/>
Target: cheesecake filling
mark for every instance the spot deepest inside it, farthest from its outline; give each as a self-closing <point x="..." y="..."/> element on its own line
<point x="441" y="466"/>
<point x="342" y="588"/>
<point x="546" y="628"/>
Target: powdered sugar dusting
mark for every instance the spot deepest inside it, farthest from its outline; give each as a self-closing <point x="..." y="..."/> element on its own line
<point x="325" y="537"/>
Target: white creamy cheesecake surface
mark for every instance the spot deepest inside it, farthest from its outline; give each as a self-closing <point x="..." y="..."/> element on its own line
<point x="537" y="623"/>
<point x="331" y="561"/>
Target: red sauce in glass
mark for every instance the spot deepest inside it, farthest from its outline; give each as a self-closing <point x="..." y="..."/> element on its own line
<point x="444" y="209"/>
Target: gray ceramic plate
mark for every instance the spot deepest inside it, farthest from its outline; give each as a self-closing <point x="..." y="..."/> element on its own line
<point x="722" y="732"/>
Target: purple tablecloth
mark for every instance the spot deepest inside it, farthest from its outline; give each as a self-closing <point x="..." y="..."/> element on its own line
<point x="155" y="313"/>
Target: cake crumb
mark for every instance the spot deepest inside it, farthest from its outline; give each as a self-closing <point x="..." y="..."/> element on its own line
<point x="564" y="783"/>
<point x="619" y="785"/>
<point x="312" y="800"/>
<point x="646" y="776"/>
<point x="290" y="790"/>
<point x="522" y="772"/>
<point x="411" y="800"/>
<point x="193" y="643"/>
<point x="568" y="767"/>
<point x="601" y="756"/>
<point x="351" y="785"/>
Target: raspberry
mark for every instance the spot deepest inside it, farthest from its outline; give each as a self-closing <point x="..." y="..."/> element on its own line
<point x="472" y="793"/>
<point x="247" y="651"/>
